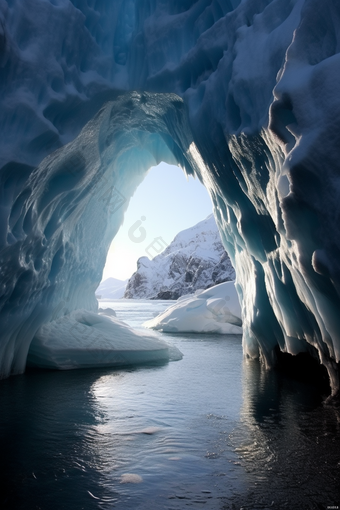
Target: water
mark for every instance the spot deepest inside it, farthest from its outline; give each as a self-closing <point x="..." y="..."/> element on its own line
<point x="210" y="431"/>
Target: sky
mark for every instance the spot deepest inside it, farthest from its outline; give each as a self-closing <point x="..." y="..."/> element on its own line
<point x="165" y="203"/>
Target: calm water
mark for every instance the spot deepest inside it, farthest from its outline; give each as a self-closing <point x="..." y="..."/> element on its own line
<point x="210" y="431"/>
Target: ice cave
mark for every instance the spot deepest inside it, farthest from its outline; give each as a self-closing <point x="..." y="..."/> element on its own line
<point x="242" y="94"/>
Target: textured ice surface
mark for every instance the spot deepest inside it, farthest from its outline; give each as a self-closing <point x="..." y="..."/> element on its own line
<point x="70" y="207"/>
<point x="258" y="122"/>
<point x="195" y="259"/>
<point x="83" y="339"/>
<point x="215" y="310"/>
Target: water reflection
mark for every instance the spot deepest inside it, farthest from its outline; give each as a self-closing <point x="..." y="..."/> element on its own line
<point x="169" y="428"/>
<point x="206" y="432"/>
<point x="287" y="442"/>
<point x="47" y="443"/>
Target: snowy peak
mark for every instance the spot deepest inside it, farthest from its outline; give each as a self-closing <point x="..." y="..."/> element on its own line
<point x="196" y="259"/>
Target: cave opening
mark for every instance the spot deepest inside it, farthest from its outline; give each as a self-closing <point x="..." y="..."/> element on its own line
<point x="70" y="207"/>
<point x="165" y="203"/>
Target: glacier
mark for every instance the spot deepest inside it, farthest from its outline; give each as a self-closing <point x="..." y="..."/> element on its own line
<point x="242" y="94"/>
<point x="195" y="259"/>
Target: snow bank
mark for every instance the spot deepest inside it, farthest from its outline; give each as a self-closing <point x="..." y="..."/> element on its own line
<point x="215" y="310"/>
<point x="83" y="339"/>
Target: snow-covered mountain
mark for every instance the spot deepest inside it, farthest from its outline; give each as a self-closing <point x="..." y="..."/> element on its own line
<point x="196" y="259"/>
<point x="111" y="288"/>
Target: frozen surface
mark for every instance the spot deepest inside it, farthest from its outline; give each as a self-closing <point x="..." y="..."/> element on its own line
<point x="215" y="310"/>
<point x="83" y="339"/>
<point x="195" y="259"/>
<point x="242" y="94"/>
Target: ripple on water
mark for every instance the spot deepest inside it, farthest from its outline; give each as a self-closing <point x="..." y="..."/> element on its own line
<point x="208" y="431"/>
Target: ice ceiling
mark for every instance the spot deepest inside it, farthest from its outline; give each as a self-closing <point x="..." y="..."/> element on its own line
<point x="244" y="94"/>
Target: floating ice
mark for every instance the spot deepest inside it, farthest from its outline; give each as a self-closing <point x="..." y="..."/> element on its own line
<point x="131" y="478"/>
<point x="83" y="339"/>
<point x="215" y="310"/>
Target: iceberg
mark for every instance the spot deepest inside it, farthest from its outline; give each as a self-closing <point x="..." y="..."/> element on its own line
<point x="242" y="94"/>
<point x="215" y="310"/>
<point x="83" y="339"/>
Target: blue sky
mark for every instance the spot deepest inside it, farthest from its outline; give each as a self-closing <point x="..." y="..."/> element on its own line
<point x="165" y="203"/>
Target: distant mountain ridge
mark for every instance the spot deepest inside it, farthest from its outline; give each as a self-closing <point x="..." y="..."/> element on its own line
<point x="111" y="288"/>
<point x="195" y="259"/>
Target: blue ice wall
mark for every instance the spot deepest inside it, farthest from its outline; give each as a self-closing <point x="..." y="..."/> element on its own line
<point x="258" y="121"/>
<point x="61" y="220"/>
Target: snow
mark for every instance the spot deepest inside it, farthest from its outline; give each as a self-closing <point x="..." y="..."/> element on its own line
<point x="195" y="259"/>
<point x="111" y="288"/>
<point x="242" y="94"/>
<point x="83" y="339"/>
<point x="215" y="310"/>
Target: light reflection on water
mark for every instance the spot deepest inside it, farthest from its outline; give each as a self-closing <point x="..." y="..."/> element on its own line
<point x="210" y="431"/>
<point x="287" y="442"/>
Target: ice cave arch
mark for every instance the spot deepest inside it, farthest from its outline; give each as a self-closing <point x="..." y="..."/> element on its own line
<point x="61" y="223"/>
<point x="70" y="207"/>
<point x="240" y="93"/>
